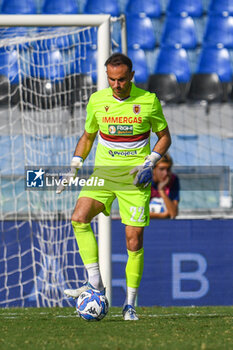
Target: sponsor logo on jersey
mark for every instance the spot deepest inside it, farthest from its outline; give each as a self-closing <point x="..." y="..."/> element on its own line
<point x="120" y="129"/>
<point x="122" y="153"/>
<point x="106" y="108"/>
<point x="137" y="109"/>
<point x="112" y="129"/>
<point x="122" y="120"/>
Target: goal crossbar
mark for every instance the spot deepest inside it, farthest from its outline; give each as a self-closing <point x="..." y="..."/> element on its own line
<point x="52" y="20"/>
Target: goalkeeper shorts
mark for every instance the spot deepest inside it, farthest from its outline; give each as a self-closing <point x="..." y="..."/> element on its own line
<point x="133" y="203"/>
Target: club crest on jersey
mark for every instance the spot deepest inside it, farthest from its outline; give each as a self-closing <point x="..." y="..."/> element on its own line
<point x="106" y="108"/>
<point x="137" y="109"/>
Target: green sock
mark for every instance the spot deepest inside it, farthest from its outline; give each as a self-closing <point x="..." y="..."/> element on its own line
<point x="134" y="268"/>
<point x="88" y="248"/>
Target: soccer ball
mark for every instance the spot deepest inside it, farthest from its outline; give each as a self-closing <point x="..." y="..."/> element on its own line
<point x="157" y="205"/>
<point x="92" y="306"/>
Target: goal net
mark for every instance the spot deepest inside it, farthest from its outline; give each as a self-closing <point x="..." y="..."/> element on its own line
<point x="46" y="78"/>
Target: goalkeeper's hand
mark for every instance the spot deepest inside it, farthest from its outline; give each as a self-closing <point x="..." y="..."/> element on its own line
<point x="144" y="171"/>
<point x="76" y="164"/>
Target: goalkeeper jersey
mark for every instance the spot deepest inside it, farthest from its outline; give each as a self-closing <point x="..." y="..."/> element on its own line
<point x="124" y="125"/>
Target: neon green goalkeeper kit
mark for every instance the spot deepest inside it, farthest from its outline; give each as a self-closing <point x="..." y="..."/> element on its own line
<point x="123" y="142"/>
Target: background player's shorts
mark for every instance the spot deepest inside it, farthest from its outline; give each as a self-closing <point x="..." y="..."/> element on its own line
<point x="133" y="203"/>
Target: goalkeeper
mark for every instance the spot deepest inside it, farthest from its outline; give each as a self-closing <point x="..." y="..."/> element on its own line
<point x="124" y="116"/>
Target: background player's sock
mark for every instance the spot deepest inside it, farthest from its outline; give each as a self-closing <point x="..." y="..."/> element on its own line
<point x="94" y="276"/>
<point x="134" y="270"/>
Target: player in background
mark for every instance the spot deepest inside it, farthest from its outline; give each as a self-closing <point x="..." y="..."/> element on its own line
<point x="137" y="112"/>
<point x="165" y="190"/>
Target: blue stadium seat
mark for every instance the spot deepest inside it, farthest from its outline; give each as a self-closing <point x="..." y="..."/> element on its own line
<point x="215" y="60"/>
<point x="13" y="32"/>
<point x="60" y="6"/>
<point x="9" y="77"/>
<point x="48" y="65"/>
<point x="150" y="8"/>
<point x="46" y="86"/>
<point x="179" y="30"/>
<point x="173" y="60"/>
<point x="57" y="37"/>
<point x="193" y="8"/>
<point x="81" y="74"/>
<point x="83" y="62"/>
<point x="138" y="58"/>
<point x="140" y="32"/>
<point x="218" y="7"/>
<point x="9" y="65"/>
<point x="102" y="6"/>
<point x="219" y="29"/>
<point x="89" y="65"/>
<point x="18" y="7"/>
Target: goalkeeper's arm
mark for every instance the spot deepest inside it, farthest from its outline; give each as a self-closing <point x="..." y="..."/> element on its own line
<point x="81" y="152"/>
<point x="85" y="144"/>
<point x="144" y="172"/>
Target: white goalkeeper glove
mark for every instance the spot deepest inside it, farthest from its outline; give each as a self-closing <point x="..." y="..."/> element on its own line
<point x="76" y="164"/>
<point x="144" y="171"/>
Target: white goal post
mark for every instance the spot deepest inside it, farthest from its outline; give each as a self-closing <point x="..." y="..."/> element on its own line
<point x="102" y="22"/>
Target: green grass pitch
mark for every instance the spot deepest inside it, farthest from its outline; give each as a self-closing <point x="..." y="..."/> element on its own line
<point x="158" y="328"/>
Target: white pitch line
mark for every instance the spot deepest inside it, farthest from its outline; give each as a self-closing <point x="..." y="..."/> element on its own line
<point x="186" y="315"/>
<point x="177" y="315"/>
<point x="67" y="316"/>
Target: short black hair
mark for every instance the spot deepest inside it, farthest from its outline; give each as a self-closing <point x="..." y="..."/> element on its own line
<point x="118" y="58"/>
